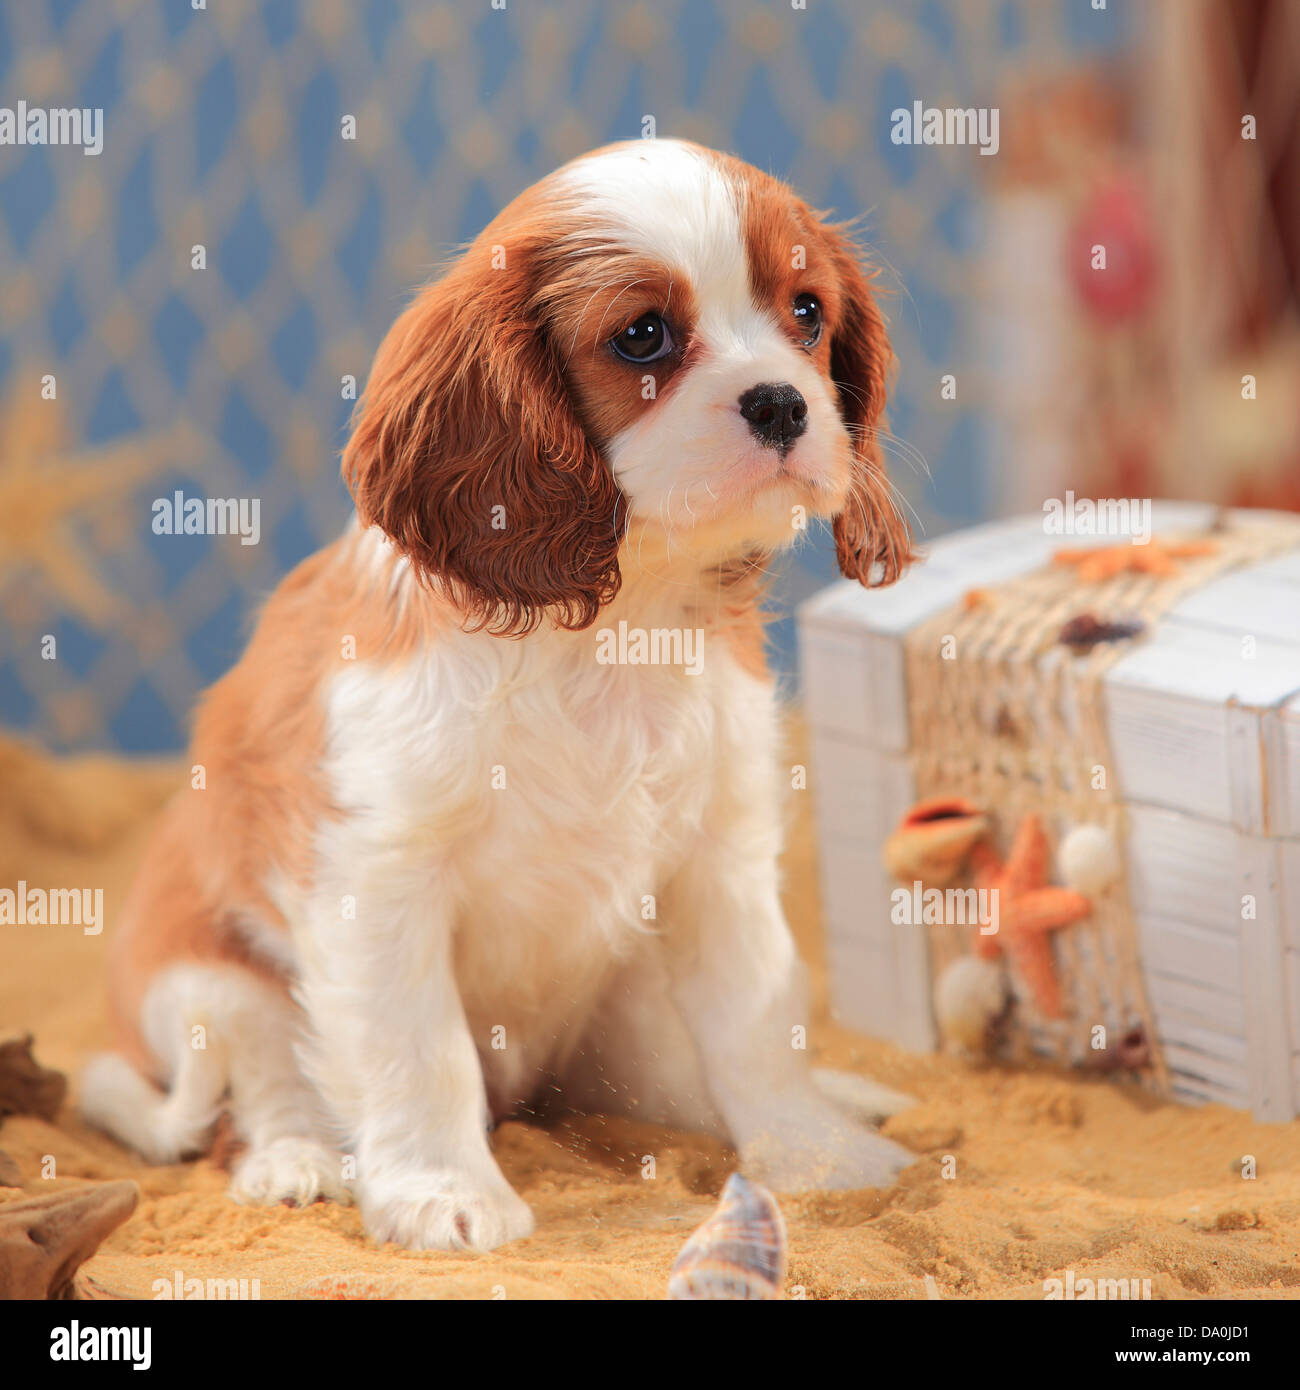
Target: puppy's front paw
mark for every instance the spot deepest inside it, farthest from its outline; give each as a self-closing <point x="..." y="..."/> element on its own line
<point x="292" y="1170"/>
<point x="822" y="1148"/>
<point x="444" y="1210"/>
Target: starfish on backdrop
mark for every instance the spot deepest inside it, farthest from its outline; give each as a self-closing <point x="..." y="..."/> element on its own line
<point x="45" y="487"/>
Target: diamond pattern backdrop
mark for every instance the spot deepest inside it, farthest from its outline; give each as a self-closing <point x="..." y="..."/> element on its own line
<point x="223" y="129"/>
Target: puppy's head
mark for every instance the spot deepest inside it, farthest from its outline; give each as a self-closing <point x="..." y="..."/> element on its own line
<point x="654" y="339"/>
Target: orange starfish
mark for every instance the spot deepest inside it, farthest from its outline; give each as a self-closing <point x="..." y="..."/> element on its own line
<point x="1153" y="557"/>
<point x="1028" y="907"/>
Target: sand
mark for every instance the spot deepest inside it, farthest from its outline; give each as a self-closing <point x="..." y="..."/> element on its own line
<point x="1050" y="1171"/>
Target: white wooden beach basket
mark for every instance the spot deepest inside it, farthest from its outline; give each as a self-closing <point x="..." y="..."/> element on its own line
<point x="927" y="689"/>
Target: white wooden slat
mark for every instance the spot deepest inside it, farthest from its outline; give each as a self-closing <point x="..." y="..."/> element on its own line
<point x="1284" y="770"/>
<point x="1185" y="869"/>
<point x="856" y="894"/>
<point x="1183" y="713"/>
<point x="1247" y="782"/>
<point x="1201" y="1038"/>
<point x="1242" y="603"/>
<point x="856" y="911"/>
<point x="1189" y="661"/>
<point x="1285" y="566"/>
<point x="1268" y="1029"/>
<point x="914" y="1024"/>
<point x="1291" y="971"/>
<point x="1192" y="1065"/>
<point x="1172" y="947"/>
<point x="1194" y="1004"/>
<point x="1192" y="1091"/>
<point x="862" y="993"/>
<point x="1169" y="751"/>
<point x="841" y="772"/>
<point x="888" y="715"/>
<point x="1288" y="856"/>
<point x="859" y="795"/>
<point x="836" y="681"/>
<point x="925" y="589"/>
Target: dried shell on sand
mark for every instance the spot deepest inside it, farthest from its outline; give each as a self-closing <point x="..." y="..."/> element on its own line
<point x="933" y="840"/>
<point x="738" y="1253"/>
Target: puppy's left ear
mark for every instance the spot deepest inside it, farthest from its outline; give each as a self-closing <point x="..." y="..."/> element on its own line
<point x="872" y="541"/>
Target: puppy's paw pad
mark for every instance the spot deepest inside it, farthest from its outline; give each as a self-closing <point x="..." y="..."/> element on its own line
<point x="449" y="1212"/>
<point x="294" y="1171"/>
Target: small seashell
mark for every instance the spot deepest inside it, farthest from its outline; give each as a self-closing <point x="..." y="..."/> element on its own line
<point x="933" y="840"/>
<point x="1089" y="859"/>
<point x="738" y="1253"/>
<point x="970" y="998"/>
<point x="1131" y="1053"/>
<point x="1134" y="1050"/>
<point x="1083" y="633"/>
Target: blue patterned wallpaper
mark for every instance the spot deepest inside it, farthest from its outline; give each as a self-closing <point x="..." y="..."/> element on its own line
<point x="222" y="129"/>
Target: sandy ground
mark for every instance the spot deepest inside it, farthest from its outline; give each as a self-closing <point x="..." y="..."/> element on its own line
<point x="1053" y="1171"/>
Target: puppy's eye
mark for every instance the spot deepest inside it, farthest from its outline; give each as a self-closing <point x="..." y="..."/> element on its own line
<point x="645" y="340"/>
<point x="808" y="316"/>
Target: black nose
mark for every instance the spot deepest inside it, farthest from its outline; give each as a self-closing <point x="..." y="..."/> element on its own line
<point x="777" y="415"/>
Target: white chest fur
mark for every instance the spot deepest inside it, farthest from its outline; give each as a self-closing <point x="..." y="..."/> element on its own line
<point x="542" y="799"/>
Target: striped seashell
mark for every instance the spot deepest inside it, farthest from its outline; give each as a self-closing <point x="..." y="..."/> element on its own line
<point x="738" y="1253"/>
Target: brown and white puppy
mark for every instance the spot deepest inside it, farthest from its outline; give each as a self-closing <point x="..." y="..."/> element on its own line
<point x="491" y="806"/>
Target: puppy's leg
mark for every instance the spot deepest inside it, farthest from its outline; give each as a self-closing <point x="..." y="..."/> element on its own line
<point x="739" y="984"/>
<point x="277" y="1113"/>
<point x="737" y="978"/>
<point x="393" y="1056"/>
<point x="161" y="1126"/>
<point x="217" y="1031"/>
<point x="637" y="1056"/>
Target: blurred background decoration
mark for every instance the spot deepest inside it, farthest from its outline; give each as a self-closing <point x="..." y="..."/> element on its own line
<point x="222" y="129"/>
<point x="1176" y="373"/>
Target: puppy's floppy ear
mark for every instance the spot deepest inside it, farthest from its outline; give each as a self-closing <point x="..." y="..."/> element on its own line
<point x="466" y="451"/>
<point x="870" y="531"/>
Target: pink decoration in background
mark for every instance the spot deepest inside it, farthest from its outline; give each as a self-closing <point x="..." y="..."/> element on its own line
<point x="1116" y="217"/>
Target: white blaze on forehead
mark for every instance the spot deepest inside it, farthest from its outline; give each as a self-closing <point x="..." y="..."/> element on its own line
<point x="675" y="203"/>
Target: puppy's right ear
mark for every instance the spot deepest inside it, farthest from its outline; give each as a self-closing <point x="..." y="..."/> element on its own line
<point x="467" y="452"/>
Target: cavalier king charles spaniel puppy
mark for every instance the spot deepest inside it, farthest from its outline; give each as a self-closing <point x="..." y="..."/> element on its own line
<point x="489" y="812"/>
